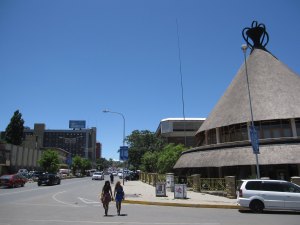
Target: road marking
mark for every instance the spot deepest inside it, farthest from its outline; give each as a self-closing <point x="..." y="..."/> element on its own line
<point x="88" y="201"/>
<point x="65" y="203"/>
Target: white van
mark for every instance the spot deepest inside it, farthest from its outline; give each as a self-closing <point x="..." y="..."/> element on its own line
<point x="269" y="194"/>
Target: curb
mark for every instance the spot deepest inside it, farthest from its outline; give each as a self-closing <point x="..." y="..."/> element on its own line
<point x="182" y="204"/>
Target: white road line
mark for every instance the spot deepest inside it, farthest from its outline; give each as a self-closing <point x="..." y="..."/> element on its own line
<point x="65" y="203"/>
<point x="88" y="201"/>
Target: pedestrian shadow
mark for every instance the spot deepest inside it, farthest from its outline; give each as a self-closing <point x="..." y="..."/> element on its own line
<point x="123" y="215"/>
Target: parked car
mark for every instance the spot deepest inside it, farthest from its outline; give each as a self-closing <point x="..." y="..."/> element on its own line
<point x="269" y="194"/>
<point x="23" y="171"/>
<point x="115" y="173"/>
<point x="132" y="176"/>
<point x="98" y="176"/>
<point x="120" y="175"/>
<point x="35" y="175"/>
<point x="48" y="179"/>
<point x="13" y="180"/>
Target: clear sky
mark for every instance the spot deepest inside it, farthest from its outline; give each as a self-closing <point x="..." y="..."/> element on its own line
<point x="64" y="60"/>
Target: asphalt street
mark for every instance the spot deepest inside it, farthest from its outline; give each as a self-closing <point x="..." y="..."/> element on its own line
<point x="76" y="202"/>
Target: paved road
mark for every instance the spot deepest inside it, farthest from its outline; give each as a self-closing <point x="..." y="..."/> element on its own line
<point x="75" y="202"/>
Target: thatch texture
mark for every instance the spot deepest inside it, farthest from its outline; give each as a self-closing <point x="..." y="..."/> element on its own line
<point x="269" y="155"/>
<point x="275" y="93"/>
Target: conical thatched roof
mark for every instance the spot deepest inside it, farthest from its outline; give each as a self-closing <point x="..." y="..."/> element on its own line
<point x="275" y="93"/>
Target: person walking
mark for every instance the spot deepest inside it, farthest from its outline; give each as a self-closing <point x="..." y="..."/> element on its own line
<point x="111" y="178"/>
<point x="119" y="196"/>
<point x="106" y="196"/>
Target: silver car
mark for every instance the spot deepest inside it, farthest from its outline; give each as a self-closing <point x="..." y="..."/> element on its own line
<point x="98" y="176"/>
<point x="269" y="194"/>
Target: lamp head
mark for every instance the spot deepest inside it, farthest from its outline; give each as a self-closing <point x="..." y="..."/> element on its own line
<point x="244" y="47"/>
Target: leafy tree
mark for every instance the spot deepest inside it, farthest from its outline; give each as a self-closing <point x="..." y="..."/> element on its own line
<point x="141" y="142"/>
<point x="76" y="164"/>
<point x="149" y="162"/>
<point x="168" y="157"/>
<point x="85" y="165"/>
<point x="102" y="164"/>
<point x="14" y="130"/>
<point x="49" y="161"/>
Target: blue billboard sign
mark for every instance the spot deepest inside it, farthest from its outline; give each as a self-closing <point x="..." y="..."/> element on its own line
<point x="76" y="124"/>
<point x="124" y="153"/>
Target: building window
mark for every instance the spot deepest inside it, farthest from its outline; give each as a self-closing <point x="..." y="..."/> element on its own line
<point x="232" y="133"/>
<point x="297" y="121"/>
<point x="274" y="129"/>
<point x="201" y="138"/>
<point x="211" y="137"/>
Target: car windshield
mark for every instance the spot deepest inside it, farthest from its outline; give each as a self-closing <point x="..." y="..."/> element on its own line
<point x="97" y="173"/>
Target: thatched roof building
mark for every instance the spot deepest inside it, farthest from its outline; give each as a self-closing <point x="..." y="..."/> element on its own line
<point x="224" y="139"/>
<point x="275" y="93"/>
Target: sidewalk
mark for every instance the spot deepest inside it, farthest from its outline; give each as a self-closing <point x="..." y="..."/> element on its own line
<point x="137" y="192"/>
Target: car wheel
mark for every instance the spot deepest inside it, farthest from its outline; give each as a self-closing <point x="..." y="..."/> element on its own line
<point x="257" y="206"/>
<point x="58" y="182"/>
<point x="39" y="183"/>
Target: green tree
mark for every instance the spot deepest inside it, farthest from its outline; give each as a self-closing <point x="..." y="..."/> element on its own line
<point x="141" y="142"/>
<point x="168" y="157"/>
<point x="85" y="165"/>
<point x="49" y="161"/>
<point x="102" y="164"/>
<point x="149" y="162"/>
<point x="14" y="130"/>
<point x="76" y="164"/>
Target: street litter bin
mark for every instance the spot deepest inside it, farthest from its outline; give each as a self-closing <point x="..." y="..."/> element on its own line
<point x="180" y="191"/>
<point x="160" y="190"/>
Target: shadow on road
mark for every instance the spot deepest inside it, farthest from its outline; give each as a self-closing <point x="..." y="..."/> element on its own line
<point x="272" y="212"/>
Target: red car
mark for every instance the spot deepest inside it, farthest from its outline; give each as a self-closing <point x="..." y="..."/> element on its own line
<point x="13" y="180"/>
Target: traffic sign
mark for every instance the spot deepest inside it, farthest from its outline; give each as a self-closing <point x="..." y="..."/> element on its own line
<point x="124" y="153"/>
<point x="254" y="140"/>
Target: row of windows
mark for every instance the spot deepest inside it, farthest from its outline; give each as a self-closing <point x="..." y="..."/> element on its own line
<point x="239" y="132"/>
<point x="186" y="126"/>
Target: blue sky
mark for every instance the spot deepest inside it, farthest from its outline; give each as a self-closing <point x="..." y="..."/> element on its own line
<point x="64" y="60"/>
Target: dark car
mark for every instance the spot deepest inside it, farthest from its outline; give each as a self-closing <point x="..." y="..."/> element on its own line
<point x="35" y="175"/>
<point x="132" y="176"/>
<point x="48" y="179"/>
<point x="13" y="180"/>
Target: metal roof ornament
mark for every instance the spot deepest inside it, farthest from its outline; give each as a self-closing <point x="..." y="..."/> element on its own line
<point x="257" y="33"/>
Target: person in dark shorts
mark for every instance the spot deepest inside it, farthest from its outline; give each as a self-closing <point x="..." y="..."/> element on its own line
<point x="111" y="178"/>
<point x="106" y="196"/>
<point x="119" y="196"/>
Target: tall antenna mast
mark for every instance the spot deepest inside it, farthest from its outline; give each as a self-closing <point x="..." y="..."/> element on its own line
<point x="181" y="82"/>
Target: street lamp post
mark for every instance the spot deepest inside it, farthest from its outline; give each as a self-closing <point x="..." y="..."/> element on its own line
<point x="253" y="139"/>
<point x="108" y="111"/>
